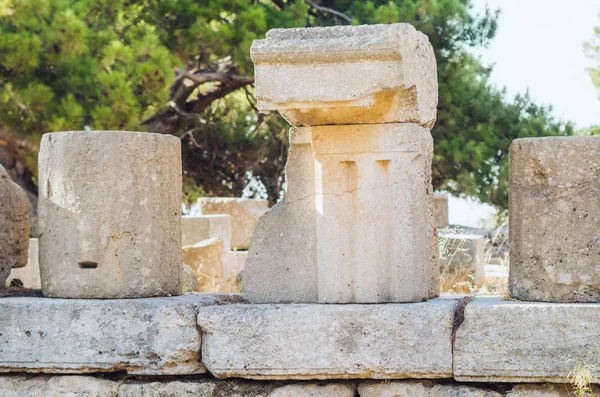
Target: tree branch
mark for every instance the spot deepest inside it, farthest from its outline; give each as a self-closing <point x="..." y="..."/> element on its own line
<point x="329" y="10"/>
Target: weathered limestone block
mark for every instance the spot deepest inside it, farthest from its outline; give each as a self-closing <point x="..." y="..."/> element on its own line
<point x="206" y="259"/>
<point x="356" y="224"/>
<point x="55" y="386"/>
<point x="376" y="238"/>
<point x="196" y="228"/>
<point x="328" y="341"/>
<point x="14" y="226"/>
<point x="110" y="214"/>
<point x="463" y="254"/>
<point x="244" y="216"/>
<point x="440" y="203"/>
<point x="30" y="274"/>
<point x="554" y="219"/>
<point x="347" y="75"/>
<point x="153" y="336"/>
<point x="282" y="260"/>
<point x="89" y="386"/>
<point x="511" y="341"/>
<point x="234" y="263"/>
<point x="421" y="389"/>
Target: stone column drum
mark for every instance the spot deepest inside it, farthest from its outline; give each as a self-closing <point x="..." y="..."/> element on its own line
<point x="356" y="225"/>
<point x="110" y="214"/>
<point x="555" y="219"/>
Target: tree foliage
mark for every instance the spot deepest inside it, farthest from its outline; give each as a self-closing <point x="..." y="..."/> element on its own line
<point x="182" y="67"/>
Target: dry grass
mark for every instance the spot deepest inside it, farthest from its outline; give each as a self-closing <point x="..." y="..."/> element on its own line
<point x="462" y="280"/>
<point x="209" y="283"/>
<point x="582" y="379"/>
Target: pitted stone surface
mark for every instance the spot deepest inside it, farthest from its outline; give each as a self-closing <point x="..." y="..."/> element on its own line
<point x="110" y="214"/>
<point x="512" y="341"/>
<point x="328" y="341"/>
<point x="196" y="228"/>
<point x="347" y="75"/>
<point x="89" y="386"/>
<point x="376" y="238"/>
<point x="55" y="386"/>
<point x="554" y="219"/>
<point x="156" y="336"/>
<point x="14" y="226"/>
<point x="244" y="216"/>
<point x="421" y="389"/>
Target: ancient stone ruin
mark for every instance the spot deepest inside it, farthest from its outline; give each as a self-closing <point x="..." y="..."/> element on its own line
<point x="341" y="277"/>
<point x="356" y="225"/>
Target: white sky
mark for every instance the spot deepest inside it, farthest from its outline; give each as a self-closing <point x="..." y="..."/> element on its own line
<point x="539" y="46"/>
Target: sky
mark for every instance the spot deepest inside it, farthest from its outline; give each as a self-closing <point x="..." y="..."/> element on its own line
<point x="539" y="47"/>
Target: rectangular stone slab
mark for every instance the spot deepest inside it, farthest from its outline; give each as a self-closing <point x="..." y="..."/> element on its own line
<point x="155" y="336"/>
<point x="347" y="75"/>
<point x="513" y="341"/>
<point x="311" y="341"/>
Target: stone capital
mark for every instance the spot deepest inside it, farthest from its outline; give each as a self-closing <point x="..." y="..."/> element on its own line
<point x="347" y="75"/>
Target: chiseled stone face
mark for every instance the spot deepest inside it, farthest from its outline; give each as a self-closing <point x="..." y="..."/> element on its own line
<point x="347" y="75"/>
<point x="328" y="341"/>
<point x="196" y="228"/>
<point x="14" y="226"/>
<point x="375" y="231"/>
<point x="356" y="224"/>
<point x="554" y="219"/>
<point x="110" y="214"/>
<point x="244" y="216"/>
<point x="512" y="341"/>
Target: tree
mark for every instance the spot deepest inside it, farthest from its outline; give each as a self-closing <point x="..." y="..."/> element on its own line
<point x="182" y="67"/>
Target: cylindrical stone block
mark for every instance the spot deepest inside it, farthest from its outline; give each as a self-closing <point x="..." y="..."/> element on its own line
<point x="555" y="219"/>
<point x="110" y="214"/>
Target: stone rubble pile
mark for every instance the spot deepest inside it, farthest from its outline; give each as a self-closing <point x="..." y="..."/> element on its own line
<point x="342" y="275"/>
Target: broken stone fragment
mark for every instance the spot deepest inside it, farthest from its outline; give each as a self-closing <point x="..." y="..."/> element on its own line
<point x="14" y="226"/>
<point x="554" y="199"/>
<point x="110" y="213"/>
<point x="347" y="75"/>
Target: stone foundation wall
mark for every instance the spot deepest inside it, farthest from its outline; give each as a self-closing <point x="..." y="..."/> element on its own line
<point x="207" y="344"/>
